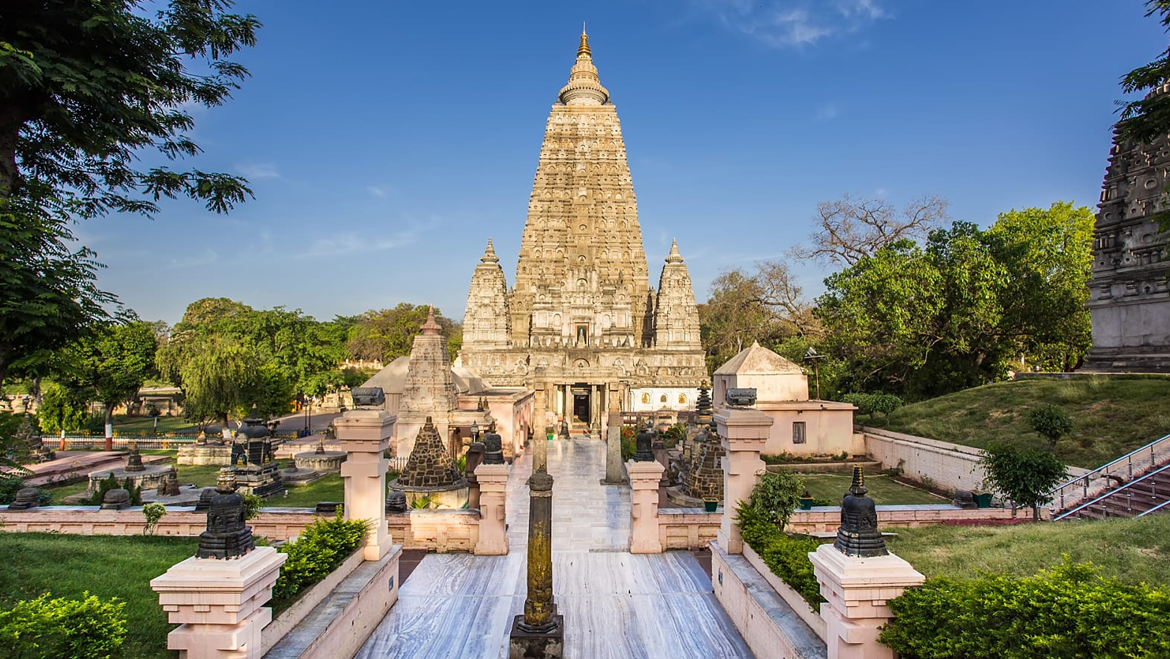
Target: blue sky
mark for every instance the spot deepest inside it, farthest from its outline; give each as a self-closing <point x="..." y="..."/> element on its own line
<point x="385" y="142"/>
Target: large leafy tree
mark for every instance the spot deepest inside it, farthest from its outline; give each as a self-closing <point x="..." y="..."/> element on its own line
<point x="112" y="362"/>
<point x="87" y="91"/>
<point x="966" y="307"/>
<point x="388" y="334"/>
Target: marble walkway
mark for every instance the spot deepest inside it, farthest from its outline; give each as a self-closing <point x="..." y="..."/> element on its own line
<point x="616" y="604"/>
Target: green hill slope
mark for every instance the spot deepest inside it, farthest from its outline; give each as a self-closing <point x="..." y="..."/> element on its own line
<point x="1113" y="415"/>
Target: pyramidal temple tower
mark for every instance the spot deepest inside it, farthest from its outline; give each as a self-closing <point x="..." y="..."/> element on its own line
<point x="582" y="326"/>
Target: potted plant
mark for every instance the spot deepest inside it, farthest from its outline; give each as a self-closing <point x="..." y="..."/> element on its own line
<point x="710" y="505"/>
<point x="807" y="500"/>
<point x="548" y="431"/>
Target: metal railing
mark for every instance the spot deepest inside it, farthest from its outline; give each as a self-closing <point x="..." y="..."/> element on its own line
<point x="398" y="463"/>
<point x="1110" y="493"/>
<point x="1122" y="470"/>
<point x="1155" y="508"/>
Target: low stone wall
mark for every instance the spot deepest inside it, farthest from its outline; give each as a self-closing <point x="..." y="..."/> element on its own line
<point x="769" y="626"/>
<point x="827" y="519"/>
<point x="687" y="528"/>
<point x="787" y="593"/>
<point x="340" y="625"/>
<point x="288" y="619"/>
<point x="943" y="465"/>
<point x="89" y="520"/>
<point x="441" y="531"/>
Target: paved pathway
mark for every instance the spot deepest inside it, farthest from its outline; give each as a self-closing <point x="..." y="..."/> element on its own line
<point x="615" y="604"/>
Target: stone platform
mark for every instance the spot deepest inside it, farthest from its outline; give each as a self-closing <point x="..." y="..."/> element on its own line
<point x="615" y="604"/>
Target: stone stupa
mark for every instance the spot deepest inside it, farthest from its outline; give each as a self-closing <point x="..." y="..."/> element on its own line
<point x="430" y="472"/>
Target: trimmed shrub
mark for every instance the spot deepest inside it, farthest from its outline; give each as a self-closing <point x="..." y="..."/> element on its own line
<point x="321" y="547"/>
<point x="1026" y="476"/>
<point x="885" y="404"/>
<point x="1068" y="611"/>
<point x="863" y="403"/>
<point x="46" y="628"/>
<point x="1051" y="421"/>
<point x="776" y="495"/>
<point x="111" y="483"/>
<point x="785" y="555"/>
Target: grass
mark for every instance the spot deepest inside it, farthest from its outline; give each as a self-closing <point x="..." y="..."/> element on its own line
<point x="1112" y="415"/>
<point x="882" y="489"/>
<point x="329" y="488"/>
<point x="1133" y="550"/>
<point x="106" y="566"/>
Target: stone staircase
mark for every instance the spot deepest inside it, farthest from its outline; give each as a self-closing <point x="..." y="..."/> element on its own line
<point x="1145" y="494"/>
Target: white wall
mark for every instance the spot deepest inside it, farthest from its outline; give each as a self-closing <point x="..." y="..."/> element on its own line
<point x="655" y="394"/>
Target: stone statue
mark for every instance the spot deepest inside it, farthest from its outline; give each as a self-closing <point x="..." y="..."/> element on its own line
<point x="227" y="536"/>
<point x="645" y="445"/>
<point x="859" y="534"/>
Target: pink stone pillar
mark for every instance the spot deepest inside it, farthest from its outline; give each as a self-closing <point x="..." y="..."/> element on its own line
<point x="365" y="436"/>
<point x="493" y="483"/>
<point x="743" y="433"/>
<point x="219" y="604"/>
<point x="644" y="477"/>
<point x="857" y="590"/>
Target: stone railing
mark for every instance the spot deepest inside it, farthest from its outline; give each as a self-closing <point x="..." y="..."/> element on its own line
<point x="687" y="528"/>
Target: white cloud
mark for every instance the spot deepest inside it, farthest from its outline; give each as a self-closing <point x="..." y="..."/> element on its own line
<point x="375" y="191"/>
<point x="258" y="170"/>
<point x="793" y="23"/>
<point x="828" y="112"/>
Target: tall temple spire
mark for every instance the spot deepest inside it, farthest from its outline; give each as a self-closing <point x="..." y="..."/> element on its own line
<point x="584" y="86"/>
<point x="431" y="327"/>
<point x="489" y="254"/>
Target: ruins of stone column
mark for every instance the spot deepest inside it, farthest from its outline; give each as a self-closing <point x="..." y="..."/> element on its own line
<point x="540" y="631"/>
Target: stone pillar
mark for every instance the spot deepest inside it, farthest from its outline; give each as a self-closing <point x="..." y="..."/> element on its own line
<point x="857" y="590"/>
<point x="743" y="434"/>
<point x="475" y="455"/>
<point x="219" y="603"/>
<point x="613" y="451"/>
<point x="644" y="478"/>
<point x="493" y="484"/>
<point x="540" y="631"/>
<point x="364" y="434"/>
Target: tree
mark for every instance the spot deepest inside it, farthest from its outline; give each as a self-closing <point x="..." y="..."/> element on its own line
<point x="848" y="229"/>
<point x="112" y="362"/>
<point x="86" y="89"/>
<point x="51" y="297"/>
<point x="1047" y="254"/>
<point x="218" y="374"/>
<point x="389" y="333"/>
<point x="1148" y="118"/>
<point x="1025" y="476"/>
<point x="1052" y="422"/>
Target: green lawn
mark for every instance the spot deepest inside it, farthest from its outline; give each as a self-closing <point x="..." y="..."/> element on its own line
<point x="882" y="489"/>
<point x="1113" y="415"/>
<point x="329" y="488"/>
<point x="1133" y="550"/>
<point x="122" y="567"/>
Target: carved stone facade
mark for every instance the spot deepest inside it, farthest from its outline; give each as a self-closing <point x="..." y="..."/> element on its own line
<point x="582" y="326"/>
<point x="1129" y="300"/>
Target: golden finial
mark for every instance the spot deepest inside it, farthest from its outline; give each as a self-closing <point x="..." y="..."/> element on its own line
<point x="583" y="49"/>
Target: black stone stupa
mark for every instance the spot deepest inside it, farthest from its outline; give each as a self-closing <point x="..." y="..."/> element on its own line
<point x="859" y="534"/>
<point x="226" y="536"/>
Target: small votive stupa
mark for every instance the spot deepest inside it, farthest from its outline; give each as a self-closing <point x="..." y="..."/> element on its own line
<point x="430" y="473"/>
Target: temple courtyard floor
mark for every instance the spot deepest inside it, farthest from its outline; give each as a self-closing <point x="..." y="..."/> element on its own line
<point x="615" y="604"/>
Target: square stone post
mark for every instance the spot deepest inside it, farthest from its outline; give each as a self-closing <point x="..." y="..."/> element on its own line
<point x="364" y="435"/>
<point x="644" y="478"/>
<point x="493" y="484"/>
<point x="857" y="590"/>
<point x="613" y="451"/>
<point x="743" y="434"/>
<point x="219" y="604"/>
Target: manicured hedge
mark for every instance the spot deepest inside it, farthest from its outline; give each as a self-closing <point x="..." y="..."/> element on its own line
<point x="785" y="555"/>
<point x="45" y="628"/>
<point x="321" y="548"/>
<point x="1067" y="611"/>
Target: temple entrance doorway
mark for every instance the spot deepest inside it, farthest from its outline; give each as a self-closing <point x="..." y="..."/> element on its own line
<point x="581" y="405"/>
